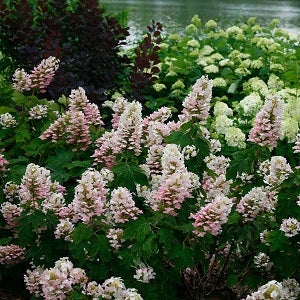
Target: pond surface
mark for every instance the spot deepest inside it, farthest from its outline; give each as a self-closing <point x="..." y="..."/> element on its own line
<point x="176" y="14"/>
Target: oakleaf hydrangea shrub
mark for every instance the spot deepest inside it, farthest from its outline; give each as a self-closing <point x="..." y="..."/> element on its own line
<point x="159" y="206"/>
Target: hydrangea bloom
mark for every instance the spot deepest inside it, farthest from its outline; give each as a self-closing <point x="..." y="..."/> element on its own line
<point x="11" y="254"/>
<point x="74" y="125"/>
<point x="267" y="124"/>
<point x="57" y="282"/>
<point x="144" y="273"/>
<point x="290" y="227"/>
<point x="275" y="170"/>
<point x="42" y="75"/>
<point x="7" y="120"/>
<point x="254" y="202"/>
<point x="197" y="103"/>
<point x="90" y="196"/>
<point x="234" y="137"/>
<point x="21" y="80"/>
<point x="262" y="260"/>
<point x="3" y="163"/>
<point x="121" y="207"/>
<point x="212" y="216"/>
<point x="273" y="290"/>
<point x="10" y="213"/>
<point x="296" y="147"/>
<point x="38" y="112"/>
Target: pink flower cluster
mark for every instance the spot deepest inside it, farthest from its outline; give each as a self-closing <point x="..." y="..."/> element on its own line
<point x="197" y="103"/>
<point x="90" y="197"/>
<point x="173" y="185"/>
<point x="10" y="213"/>
<point x="38" y="191"/>
<point x="267" y="124"/>
<point x="275" y="170"/>
<point x="297" y="144"/>
<point x="3" y="163"/>
<point x="39" y="78"/>
<point x="121" y="206"/>
<point x="74" y="125"/>
<point x="257" y="200"/>
<point x="144" y="273"/>
<point x="11" y="254"/>
<point x="212" y="216"/>
<point x="57" y="282"/>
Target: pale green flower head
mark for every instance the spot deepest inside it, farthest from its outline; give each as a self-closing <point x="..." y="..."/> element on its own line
<point x="211" y="24"/>
<point x="159" y="87"/>
<point x="257" y="64"/>
<point x="222" y="122"/>
<point x="256" y="28"/>
<point x="251" y="21"/>
<point x="205" y="61"/>
<point x="240" y="37"/>
<point x="191" y="29"/>
<point x="244" y="27"/>
<point x="234" y="137"/>
<point x="219" y="82"/>
<point x="211" y="69"/>
<point x="289" y="129"/>
<point x="276" y="67"/>
<point x="274" y="23"/>
<point x="219" y="34"/>
<point x="196" y="21"/>
<point x="274" y="83"/>
<point x="207" y="50"/>
<point x="264" y="43"/>
<point x="235" y="54"/>
<point x="256" y="84"/>
<point x="242" y="71"/>
<point x="274" y="47"/>
<point x="234" y="30"/>
<point x="193" y="43"/>
<point x="195" y="53"/>
<point x="292" y="109"/>
<point x="164" y="46"/>
<point x="245" y="63"/>
<point x="174" y="37"/>
<point x="281" y="33"/>
<point x="226" y="63"/>
<point x="217" y="57"/>
<point x="251" y="104"/>
<point x="222" y="108"/>
<point x="178" y="85"/>
<point x="176" y="93"/>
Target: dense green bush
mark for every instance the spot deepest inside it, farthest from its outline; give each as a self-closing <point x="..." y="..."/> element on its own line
<point x="186" y="205"/>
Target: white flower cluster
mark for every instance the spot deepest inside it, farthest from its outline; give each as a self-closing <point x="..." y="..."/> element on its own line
<point x="7" y="120"/>
<point x="290" y="227"/>
<point x="262" y="260"/>
<point x="288" y="289"/>
<point x="144" y="273"/>
<point x="38" y="112"/>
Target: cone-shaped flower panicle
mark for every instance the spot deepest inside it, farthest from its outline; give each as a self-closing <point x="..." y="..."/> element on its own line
<point x="267" y="124"/>
<point x="197" y="103"/>
<point x="42" y="75"/>
<point x="90" y="196"/>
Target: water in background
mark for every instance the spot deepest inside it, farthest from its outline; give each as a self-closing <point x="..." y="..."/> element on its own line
<point x="175" y="15"/>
